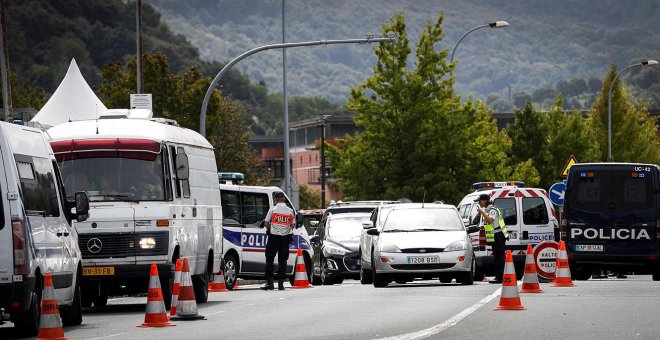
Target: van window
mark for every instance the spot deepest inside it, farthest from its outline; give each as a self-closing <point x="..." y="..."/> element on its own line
<point x="255" y="207"/>
<point x="38" y="185"/>
<point x="611" y="191"/>
<point x="286" y="201"/>
<point x="185" y="183"/>
<point x="507" y="207"/>
<point x="231" y="207"/>
<point x="534" y="211"/>
<point x="177" y="184"/>
<point x="473" y="215"/>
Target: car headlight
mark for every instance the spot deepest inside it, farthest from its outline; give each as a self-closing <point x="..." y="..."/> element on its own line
<point x="457" y="246"/>
<point x="147" y="243"/>
<point x="334" y="250"/>
<point x="389" y="248"/>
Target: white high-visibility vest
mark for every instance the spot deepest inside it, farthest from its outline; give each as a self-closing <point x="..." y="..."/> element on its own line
<point x="281" y="220"/>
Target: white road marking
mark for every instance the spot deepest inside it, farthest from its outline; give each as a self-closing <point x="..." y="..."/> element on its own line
<point x="425" y="333"/>
<point x="107" y="337"/>
<point x="209" y="314"/>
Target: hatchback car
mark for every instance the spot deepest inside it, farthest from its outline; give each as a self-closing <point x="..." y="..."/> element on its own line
<point x="408" y="241"/>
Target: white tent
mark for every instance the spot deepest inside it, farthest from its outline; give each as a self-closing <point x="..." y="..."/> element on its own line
<point x="73" y="100"/>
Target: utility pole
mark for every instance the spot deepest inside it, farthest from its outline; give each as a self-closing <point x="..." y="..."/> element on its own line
<point x="4" y="63"/>
<point x="322" y="125"/>
<point x="287" y="164"/>
<point x="138" y="42"/>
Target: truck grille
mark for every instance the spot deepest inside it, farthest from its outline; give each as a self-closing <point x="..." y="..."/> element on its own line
<point x="118" y="245"/>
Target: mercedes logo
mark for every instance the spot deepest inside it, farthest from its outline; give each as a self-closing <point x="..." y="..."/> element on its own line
<point x="94" y="245"/>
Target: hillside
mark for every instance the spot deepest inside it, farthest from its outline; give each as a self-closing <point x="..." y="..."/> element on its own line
<point x="547" y="42"/>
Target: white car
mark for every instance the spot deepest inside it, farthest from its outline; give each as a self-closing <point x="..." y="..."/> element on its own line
<point x="407" y="241"/>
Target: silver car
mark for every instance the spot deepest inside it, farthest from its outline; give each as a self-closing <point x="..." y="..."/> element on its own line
<point x="408" y="241"/>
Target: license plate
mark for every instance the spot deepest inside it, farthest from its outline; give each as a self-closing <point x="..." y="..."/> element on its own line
<point x="588" y="247"/>
<point x="513" y="235"/>
<point x="422" y="259"/>
<point x="98" y="271"/>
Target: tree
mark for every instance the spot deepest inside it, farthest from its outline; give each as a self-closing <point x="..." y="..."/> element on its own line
<point x="633" y="130"/>
<point x="521" y="98"/>
<point x="179" y="97"/>
<point x="419" y="141"/>
<point x="309" y="198"/>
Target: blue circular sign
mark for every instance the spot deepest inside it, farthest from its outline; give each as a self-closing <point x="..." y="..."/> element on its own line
<point x="557" y="192"/>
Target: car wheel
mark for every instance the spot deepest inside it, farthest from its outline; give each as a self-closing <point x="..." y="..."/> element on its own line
<point x="446" y="279"/>
<point x="231" y="271"/>
<point x="468" y="277"/>
<point x="365" y="276"/>
<point x="72" y="316"/>
<point x="581" y="273"/>
<point x="378" y="280"/>
<point x="200" y="286"/>
<point x="401" y="281"/>
<point x="479" y="273"/>
<point x="338" y="281"/>
<point x="316" y="279"/>
<point x="325" y="280"/>
<point x="28" y="323"/>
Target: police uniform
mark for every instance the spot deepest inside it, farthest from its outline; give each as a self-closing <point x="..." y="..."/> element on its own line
<point x="496" y="236"/>
<point x="281" y="220"/>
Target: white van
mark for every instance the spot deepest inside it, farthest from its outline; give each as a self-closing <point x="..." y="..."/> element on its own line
<point x="244" y="239"/>
<point x="154" y="197"/>
<point x="528" y="214"/>
<point x="35" y="231"/>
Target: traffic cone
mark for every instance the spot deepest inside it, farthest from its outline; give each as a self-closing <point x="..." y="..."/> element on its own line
<point x="563" y="273"/>
<point x="530" y="279"/>
<point x="175" y="287"/>
<point x="186" y="308"/>
<point x="300" y="280"/>
<point x="50" y="324"/>
<point x="509" y="299"/>
<point x="156" y="315"/>
<point x="218" y="283"/>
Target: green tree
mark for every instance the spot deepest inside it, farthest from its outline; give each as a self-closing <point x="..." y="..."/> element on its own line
<point x="633" y="130"/>
<point x="179" y="97"/>
<point x="418" y="140"/>
<point x="309" y="198"/>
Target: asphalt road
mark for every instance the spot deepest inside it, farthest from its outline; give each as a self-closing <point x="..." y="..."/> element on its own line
<point x="605" y="309"/>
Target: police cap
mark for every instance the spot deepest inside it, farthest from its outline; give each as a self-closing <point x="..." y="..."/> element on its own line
<point x="483" y="197"/>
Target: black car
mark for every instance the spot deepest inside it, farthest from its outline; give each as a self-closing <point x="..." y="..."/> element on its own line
<point x="336" y="242"/>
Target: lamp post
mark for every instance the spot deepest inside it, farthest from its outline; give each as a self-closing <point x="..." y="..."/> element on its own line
<point x="324" y="118"/>
<point x="609" y="103"/>
<point x="496" y="24"/>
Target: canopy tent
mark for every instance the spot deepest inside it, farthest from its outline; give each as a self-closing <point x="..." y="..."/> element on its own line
<point x="73" y="100"/>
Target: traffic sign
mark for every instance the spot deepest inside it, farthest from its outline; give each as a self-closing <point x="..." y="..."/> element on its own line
<point x="545" y="256"/>
<point x="557" y="192"/>
<point x="569" y="163"/>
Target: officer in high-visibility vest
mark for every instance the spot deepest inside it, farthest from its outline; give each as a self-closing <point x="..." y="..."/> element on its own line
<point x="279" y="224"/>
<point x="496" y="233"/>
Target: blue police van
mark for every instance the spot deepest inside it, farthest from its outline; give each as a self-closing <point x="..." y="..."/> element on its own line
<point x="611" y="218"/>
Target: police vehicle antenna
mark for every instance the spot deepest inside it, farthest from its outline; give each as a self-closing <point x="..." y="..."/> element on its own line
<point x="423" y="198"/>
<point x="96" y="106"/>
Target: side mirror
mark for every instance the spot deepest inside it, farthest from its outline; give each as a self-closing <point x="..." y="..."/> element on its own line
<point x="367" y="225"/>
<point x="182" y="169"/>
<point x="315" y="239"/>
<point x="82" y="206"/>
<point x="472" y="229"/>
<point x="373" y="232"/>
<point x="299" y="220"/>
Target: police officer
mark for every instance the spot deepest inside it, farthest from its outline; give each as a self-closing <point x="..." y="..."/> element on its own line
<point x="496" y="233"/>
<point x="279" y="224"/>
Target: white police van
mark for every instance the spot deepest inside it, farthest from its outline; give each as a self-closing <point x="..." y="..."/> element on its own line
<point x="528" y="215"/>
<point x="154" y="197"/>
<point x="35" y="231"/>
<point x="244" y="238"/>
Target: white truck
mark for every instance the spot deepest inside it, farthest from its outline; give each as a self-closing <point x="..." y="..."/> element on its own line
<point x="154" y="197"/>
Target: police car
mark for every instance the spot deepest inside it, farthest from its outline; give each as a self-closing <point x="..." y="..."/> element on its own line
<point x="528" y="215"/>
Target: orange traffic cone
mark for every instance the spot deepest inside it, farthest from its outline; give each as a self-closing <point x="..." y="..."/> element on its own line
<point x="509" y="299"/>
<point x="530" y="279"/>
<point x="186" y="308"/>
<point x="563" y="273"/>
<point x="50" y="324"/>
<point x="218" y="283"/>
<point x="300" y="280"/>
<point x="175" y="287"/>
<point x="156" y="315"/>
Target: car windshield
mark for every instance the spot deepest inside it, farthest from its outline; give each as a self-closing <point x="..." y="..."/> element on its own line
<point x="422" y="219"/>
<point x="346" y="227"/>
<point x="115" y="179"/>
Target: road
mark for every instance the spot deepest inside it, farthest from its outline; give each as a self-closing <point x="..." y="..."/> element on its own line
<point x="607" y="309"/>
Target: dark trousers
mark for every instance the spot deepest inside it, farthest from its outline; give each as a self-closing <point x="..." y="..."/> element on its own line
<point x="279" y="245"/>
<point x="498" y="253"/>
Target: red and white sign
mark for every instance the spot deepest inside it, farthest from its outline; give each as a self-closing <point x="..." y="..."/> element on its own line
<point x="545" y="256"/>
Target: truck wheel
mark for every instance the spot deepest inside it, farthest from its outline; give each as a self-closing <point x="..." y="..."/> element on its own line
<point x="28" y="323"/>
<point x="72" y="316"/>
<point x="581" y="273"/>
<point x="201" y="287"/>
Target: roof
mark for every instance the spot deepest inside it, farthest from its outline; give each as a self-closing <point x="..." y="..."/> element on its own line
<point x="72" y="100"/>
<point x="422" y="205"/>
<point x="127" y="128"/>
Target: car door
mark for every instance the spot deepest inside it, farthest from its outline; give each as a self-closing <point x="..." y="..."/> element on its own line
<point x="366" y="241"/>
<point x="254" y="207"/>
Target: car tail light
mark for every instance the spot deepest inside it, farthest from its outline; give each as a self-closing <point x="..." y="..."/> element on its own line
<point x="563" y="226"/>
<point x="20" y="246"/>
<point x="482" y="237"/>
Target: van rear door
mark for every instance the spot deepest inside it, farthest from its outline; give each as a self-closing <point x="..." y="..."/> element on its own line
<point x="6" y="234"/>
<point x="612" y="209"/>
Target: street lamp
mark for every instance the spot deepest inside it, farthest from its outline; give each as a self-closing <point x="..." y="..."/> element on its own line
<point x="650" y="62"/>
<point x="324" y="118"/>
<point x="496" y="24"/>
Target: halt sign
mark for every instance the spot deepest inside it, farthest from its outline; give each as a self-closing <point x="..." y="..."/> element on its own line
<point x="545" y="256"/>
